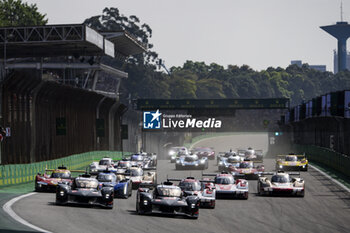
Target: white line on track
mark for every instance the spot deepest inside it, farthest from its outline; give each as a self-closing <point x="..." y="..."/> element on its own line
<point x="7" y="208"/>
<point x="331" y="178"/>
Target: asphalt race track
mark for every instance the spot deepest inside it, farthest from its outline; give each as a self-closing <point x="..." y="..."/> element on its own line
<point x="325" y="207"/>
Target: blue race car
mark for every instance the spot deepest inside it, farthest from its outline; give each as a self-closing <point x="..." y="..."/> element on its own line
<point x="122" y="186"/>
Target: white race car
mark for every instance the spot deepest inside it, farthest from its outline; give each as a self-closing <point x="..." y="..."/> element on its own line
<point x="104" y="164"/>
<point x="140" y="178"/>
<point x="227" y="187"/>
<point x="281" y="183"/>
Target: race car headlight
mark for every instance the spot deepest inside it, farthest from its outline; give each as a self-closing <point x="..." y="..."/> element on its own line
<point x="62" y="193"/>
<point x="196" y="164"/>
<point x="177" y="161"/>
<point x="171" y="152"/>
<point x="202" y="161"/>
<point x="220" y="163"/>
<point x="107" y="196"/>
<point x="281" y="166"/>
<point x="193" y="205"/>
<point x="145" y="202"/>
<point x="303" y="166"/>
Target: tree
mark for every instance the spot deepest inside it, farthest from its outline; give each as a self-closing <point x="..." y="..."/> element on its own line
<point x="17" y="13"/>
<point x="112" y="20"/>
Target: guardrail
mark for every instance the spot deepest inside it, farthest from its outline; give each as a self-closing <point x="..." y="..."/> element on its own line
<point x="22" y="173"/>
<point x="330" y="158"/>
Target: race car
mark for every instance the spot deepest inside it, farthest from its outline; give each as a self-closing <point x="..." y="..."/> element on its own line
<point x="227" y="187"/>
<point x="281" y="183"/>
<point x="191" y="161"/>
<point x="291" y="162"/>
<point x="175" y="152"/>
<point x="223" y="155"/>
<point x="102" y="165"/>
<point x="139" y="177"/>
<point x="204" y="152"/>
<point x="45" y="182"/>
<point x="204" y="189"/>
<point x="137" y="160"/>
<point x="167" y="199"/>
<point x="251" y="154"/>
<point x="122" y="187"/>
<point x="228" y="161"/>
<point x="152" y="158"/>
<point x="85" y="190"/>
<point x="122" y="165"/>
<point x="247" y="170"/>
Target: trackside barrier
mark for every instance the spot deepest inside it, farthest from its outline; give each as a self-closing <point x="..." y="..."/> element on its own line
<point x="22" y="173"/>
<point x="332" y="159"/>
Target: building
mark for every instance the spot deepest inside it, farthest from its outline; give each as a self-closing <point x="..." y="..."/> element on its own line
<point x="299" y="63"/>
<point x="321" y="68"/>
<point x="296" y="62"/>
<point x="335" y="61"/>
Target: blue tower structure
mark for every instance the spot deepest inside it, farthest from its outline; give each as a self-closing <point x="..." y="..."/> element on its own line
<point x="341" y="31"/>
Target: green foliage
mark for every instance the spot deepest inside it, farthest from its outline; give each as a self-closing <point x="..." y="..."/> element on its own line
<point x="213" y="81"/>
<point x="17" y="13"/>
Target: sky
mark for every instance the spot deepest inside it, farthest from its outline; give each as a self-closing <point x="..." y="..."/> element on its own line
<point x="258" y="33"/>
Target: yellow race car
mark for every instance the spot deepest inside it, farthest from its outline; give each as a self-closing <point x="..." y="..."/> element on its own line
<point x="291" y="162"/>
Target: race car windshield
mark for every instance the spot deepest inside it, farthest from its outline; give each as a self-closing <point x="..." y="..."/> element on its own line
<point x="190" y="186"/>
<point x="169" y="192"/>
<point x="136" y="158"/>
<point x="137" y="172"/>
<point x="124" y="165"/>
<point x="92" y="184"/>
<point x="291" y="158"/>
<point x="190" y="159"/>
<point x="246" y="165"/>
<point x="224" y="180"/>
<point x="232" y="160"/>
<point x="203" y="150"/>
<point x="229" y="154"/>
<point x="104" y="162"/>
<point x="106" y="178"/>
<point x="63" y="175"/>
<point x="249" y="152"/>
<point x="280" y="179"/>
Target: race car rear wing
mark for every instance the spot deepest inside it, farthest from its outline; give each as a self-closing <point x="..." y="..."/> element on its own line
<point x="300" y="157"/>
<point x="274" y="173"/>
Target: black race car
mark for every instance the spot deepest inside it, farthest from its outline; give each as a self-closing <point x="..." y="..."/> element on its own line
<point x="85" y="191"/>
<point x="167" y="199"/>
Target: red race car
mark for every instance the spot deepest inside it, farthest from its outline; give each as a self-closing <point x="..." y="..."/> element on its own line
<point x="247" y="170"/>
<point x="48" y="183"/>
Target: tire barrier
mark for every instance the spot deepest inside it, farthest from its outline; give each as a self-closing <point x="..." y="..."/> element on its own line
<point x="22" y="173"/>
<point x="325" y="156"/>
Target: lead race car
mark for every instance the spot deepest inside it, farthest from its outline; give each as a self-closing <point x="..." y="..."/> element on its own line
<point x="45" y="182"/>
<point x="281" y="183"/>
<point x="204" y="189"/>
<point x="85" y="190"/>
<point x="191" y="161"/>
<point x="167" y="199"/>
<point x="227" y="187"/>
<point x="291" y="162"/>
